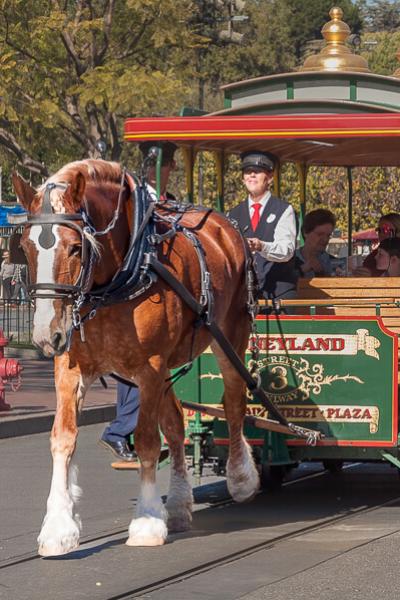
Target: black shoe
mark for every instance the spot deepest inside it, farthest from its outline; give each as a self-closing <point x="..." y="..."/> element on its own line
<point x="120" y="450"/>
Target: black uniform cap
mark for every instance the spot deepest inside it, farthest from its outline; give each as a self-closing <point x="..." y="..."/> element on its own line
<point x="256" y="158"/>
<point x="168" y="150"/>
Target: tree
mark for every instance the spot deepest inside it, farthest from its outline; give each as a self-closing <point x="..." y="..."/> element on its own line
<point x="380" y="48"/>
<point x="71" y="71"/>
<point x="381" y="15"/>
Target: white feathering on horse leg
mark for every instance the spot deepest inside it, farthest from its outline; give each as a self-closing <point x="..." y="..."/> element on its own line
<point x="61" y="528"/>
<point x="242" y="478"/>
<point x="179" y="503"/>
<point x="149" y="528"/>
<point x="73" y="487"/>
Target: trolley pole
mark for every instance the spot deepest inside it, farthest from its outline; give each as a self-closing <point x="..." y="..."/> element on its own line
<point x="349" y="211"/>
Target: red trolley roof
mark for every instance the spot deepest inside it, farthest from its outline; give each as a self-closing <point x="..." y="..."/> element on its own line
<point x="339" y="139"/>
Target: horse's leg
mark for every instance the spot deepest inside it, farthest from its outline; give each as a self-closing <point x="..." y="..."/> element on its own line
<point x="149" y="527"/>
<point x="242" y="476"/>
<point x="61" y="526"/>
<point x="180" y="499"/>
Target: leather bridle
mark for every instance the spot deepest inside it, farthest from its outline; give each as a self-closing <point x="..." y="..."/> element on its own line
<point x="79" y="222"/>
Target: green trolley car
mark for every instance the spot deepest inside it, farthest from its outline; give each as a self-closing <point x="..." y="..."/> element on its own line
<point x="333" y="364"/>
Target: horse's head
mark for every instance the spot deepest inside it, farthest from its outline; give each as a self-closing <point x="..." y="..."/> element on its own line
<point x="53" y="244"/>
<point x="61" y="243"/>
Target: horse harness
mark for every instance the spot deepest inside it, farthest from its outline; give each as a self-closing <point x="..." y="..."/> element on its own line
<point x="141" y="268"/>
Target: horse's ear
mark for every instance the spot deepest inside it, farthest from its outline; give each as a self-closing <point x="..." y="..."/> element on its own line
<point x="130" y="181"/>
<point x="25" y="193"/>
<point x="77" y="190"/>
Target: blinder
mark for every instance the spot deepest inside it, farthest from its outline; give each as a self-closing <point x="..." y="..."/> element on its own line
<point x="47" y="219"/>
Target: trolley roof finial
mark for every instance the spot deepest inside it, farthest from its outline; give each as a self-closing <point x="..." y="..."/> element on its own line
<point x="336" y="55"/>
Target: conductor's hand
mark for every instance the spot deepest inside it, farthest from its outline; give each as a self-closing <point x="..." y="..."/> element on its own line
<point x="255" y="244"/>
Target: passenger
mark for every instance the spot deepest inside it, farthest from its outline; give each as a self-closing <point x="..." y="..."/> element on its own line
<point x="269" y="225"/>
<point x="116" y="436"/>
<point x="312" y="259"/>
<point x="19" y="283"/>
<point x="6" y="275"/>
<point x="388" y="227"/>
<point x="388" y="257"/>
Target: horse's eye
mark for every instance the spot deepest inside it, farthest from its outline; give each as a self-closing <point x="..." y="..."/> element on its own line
<point x="75" y="250"/>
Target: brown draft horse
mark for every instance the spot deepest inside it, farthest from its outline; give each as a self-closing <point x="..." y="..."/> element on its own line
<point x="140" y="340"/>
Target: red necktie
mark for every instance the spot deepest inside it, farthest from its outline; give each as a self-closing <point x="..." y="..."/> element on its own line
<point x="255" y="219"/>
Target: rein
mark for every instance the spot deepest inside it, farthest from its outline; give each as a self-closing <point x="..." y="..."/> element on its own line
<point x="47" y="218"/>
<point x="132" y="278"/>
<point x="254" y="386"/>
<point x="139" y="270"/>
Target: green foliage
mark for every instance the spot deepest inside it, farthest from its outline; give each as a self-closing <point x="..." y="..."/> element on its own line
<point x="74" y="70"/>
<point x="381" y="15"/>
<point x="71" y="71"/>
<point x="379" y="49"/>
<point x="307" y="19"/>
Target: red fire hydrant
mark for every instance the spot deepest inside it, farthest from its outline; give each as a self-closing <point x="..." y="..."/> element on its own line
<point x="9" y="369"/>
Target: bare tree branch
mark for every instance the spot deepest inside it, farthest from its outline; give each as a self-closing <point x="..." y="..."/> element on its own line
<point x="69" y="46"/>
<point x="8" y="141"/>
<point x="134" y="41"/>
<point x="108" y="14"/>
<point x="113" y="133"/>
<point x="15" y="46"/>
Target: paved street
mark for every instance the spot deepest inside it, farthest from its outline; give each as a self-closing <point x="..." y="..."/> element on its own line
<point x="329" y="537"/>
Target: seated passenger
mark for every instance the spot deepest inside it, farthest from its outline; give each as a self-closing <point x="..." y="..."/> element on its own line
<point x="312" y="259"/>
<point x="388" y="257"/>
<point x="388" y="228"/>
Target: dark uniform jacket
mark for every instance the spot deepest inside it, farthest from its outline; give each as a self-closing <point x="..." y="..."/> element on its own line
<point x="275" y="279"/>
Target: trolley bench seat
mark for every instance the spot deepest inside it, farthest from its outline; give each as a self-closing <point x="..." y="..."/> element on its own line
<point x="363" y="296"/>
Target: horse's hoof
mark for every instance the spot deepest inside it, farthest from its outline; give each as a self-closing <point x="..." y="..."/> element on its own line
<point x="243" y="489"/>
<point x="179" y="524"/>
<point x="242" y="498"/>
<point x="241" y="493"/>
<point x="243" y="480"/>
<point x="59" y="535"/>
<point x="145" y="541"/>
<point x="47" y="550"/>
<point x="147" y="531"/>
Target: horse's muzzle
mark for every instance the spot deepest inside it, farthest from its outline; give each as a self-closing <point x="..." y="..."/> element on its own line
<point x="53" y="347"/>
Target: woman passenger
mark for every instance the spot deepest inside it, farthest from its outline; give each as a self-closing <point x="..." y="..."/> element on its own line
<point x="388" y="228"/>
<point x="388" y="257"/>
<point x="312" y="259"/>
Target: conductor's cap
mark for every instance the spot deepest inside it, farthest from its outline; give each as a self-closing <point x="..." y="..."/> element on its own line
<point x="257" y="159"/>
<point x="168" y="150"/>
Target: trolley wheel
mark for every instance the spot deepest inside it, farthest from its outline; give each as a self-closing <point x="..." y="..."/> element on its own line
<point x="333" y="465"/>
<point x="272" y="476"/>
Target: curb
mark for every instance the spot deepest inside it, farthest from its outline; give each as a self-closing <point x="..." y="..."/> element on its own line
<point x="41" y="423"/>
<point x="29" y="353"/>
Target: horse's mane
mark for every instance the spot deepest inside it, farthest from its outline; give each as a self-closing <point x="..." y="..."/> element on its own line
<point x="94" y="171"/>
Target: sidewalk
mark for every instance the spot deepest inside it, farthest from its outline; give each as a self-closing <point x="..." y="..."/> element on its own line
<point x="33" y="405"/>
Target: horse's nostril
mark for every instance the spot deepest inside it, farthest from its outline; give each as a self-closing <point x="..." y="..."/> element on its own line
<point x="56" y="339"/>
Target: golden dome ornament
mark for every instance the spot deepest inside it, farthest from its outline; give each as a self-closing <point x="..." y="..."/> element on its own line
<point x="336" y="55"/>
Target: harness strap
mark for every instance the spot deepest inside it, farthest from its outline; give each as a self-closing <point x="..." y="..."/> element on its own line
<point x="216" y="332"/>
<point x="130" y="280"/>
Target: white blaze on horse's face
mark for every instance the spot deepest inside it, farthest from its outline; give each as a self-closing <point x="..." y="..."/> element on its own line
<point x="45" y="314"/>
